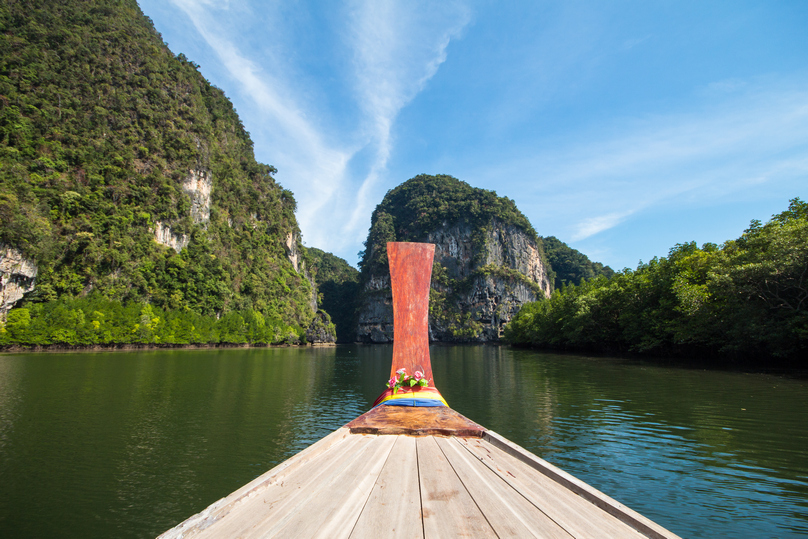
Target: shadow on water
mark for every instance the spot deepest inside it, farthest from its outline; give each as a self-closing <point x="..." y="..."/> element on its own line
<point x="129" y="444"/>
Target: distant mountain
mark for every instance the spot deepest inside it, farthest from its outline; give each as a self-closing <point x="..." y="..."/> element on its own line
<point x="570" y="265"/>
<point x="125" y="174"/>
<point x="338" y="284"/>
<point x="488" y="259"/>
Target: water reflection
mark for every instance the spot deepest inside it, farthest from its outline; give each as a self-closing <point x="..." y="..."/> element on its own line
<point x="129" y="444"/>
<point x="10" y="396"/>
<point x="707" y="454"/>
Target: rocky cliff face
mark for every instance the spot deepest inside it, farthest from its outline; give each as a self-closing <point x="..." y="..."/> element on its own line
<point x="17" y="277"/>
<point x="164" y="235"/>
<point x="480" y="280"/>
<point x="321" y="330"/>
<point x="198" y="186"/>
<point x="147" y="152"/>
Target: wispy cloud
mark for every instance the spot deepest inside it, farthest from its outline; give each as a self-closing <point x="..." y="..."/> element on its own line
<point x="631" y="43"/>
<point x="398" y="48"/>
<point x="300" y="151"/>
<point x="592" y="225"/>
<point x="642" y="164"/>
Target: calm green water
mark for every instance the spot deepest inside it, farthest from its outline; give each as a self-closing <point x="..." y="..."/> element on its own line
<point x="130" y="444"/>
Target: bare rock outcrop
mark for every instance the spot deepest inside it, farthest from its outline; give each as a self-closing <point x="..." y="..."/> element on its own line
<point x="164" y="235"/>
<point x="17" y="277"/>
<point x="480" y="280"/>
<point x="321" y="330"/>
<point x="198" y="185"/>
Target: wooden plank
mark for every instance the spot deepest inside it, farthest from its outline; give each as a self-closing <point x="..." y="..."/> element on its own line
<point x="508" y="512"/>
<point x="576" y="515"/>
<point x="415" y="421"/>
<point x="216" y="511"/>
<point x="448" y="509"/>
<point x="333" y="507"/>
<point x="281" y="498"/>
<point x="623" y="513"/>
<point x="394" y="506"/>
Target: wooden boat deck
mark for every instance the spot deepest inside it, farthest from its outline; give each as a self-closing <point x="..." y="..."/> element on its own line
<point x="418" y="484"/>
<point x="410" y="471"/>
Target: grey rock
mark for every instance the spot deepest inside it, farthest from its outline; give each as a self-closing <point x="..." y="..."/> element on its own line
<point x="489" y="277"/>
<point x="17" y="277"/>
<point x="321" y="330"/>
<point x="198" y="186"/>
<point x="164" y="235"/>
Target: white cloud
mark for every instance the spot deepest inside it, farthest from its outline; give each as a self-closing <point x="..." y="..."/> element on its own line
<point x="725" y="86"/>
<point x="639" y="165"/>
<point x="398" y="47"/>
<point x="591" y="226"/>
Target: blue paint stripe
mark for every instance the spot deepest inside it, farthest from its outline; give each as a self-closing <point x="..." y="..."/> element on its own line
<point x="413" y="402"/>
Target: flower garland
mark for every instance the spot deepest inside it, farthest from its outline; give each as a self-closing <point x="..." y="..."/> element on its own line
<point x="405" y="380"/>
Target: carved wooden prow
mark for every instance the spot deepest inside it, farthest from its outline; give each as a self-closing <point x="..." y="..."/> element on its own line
<point x="410" y="276"/>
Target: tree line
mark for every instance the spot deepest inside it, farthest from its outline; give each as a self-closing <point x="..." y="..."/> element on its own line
<point x="745" y="300"/>
<point x="95" y="320"/>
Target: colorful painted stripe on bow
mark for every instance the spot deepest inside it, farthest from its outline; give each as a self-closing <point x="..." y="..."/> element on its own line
<point x="415" y="396"/>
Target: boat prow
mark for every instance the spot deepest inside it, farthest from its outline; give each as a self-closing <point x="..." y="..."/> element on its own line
<point x="414" y="467"/>
<point x="417" y="472"/>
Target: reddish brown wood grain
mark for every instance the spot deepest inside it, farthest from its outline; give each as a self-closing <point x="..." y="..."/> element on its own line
<point x="410" y="276"/>
<point x="415" y="421"/>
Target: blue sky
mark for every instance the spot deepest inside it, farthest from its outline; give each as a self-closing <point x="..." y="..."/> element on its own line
<point x="622" y="128"/>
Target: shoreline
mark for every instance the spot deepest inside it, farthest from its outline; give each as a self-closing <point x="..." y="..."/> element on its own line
<point x="128" y="347"/>
<point x="691" y="362"/>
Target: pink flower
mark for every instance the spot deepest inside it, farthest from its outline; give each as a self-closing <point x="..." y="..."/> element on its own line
<point x="391" y="382"/>
<point x="401" y="371"/>
<point x="418" y="375"/>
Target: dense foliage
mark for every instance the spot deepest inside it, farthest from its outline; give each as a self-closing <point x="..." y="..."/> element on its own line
<point x="425" y="203"/>
<point x="744" y="300"/>
<point x="338" y="285"/>
<point x="99" y="125"/>
<point x="571" y="266"/>
<point x="95" y="320"/>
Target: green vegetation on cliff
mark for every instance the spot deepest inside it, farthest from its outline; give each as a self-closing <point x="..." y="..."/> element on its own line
<point x="424" y="203"/>
<point x="338" y="286"/>
<point x="94" y="320"/>
<point x="571" y="266"/>
<point x="100" y="126"/>
<point x="744" y="300"/>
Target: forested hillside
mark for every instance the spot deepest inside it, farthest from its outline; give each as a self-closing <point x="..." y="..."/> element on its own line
<point x="571" y="266"/>
<point x="128" y="177"/>
<point x="488" y="259"/>
<point x="744" y="300"/>
<point x="425" y="203"/>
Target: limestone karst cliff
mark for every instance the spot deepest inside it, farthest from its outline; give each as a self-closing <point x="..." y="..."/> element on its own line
<point x="17" y="277"/>
<point x="197" y="186"/>
<point x="488" y="260"/>
<point x="125" y="174"/>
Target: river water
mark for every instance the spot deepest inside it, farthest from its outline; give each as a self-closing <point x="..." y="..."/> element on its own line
<point x="128" y="444"/>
